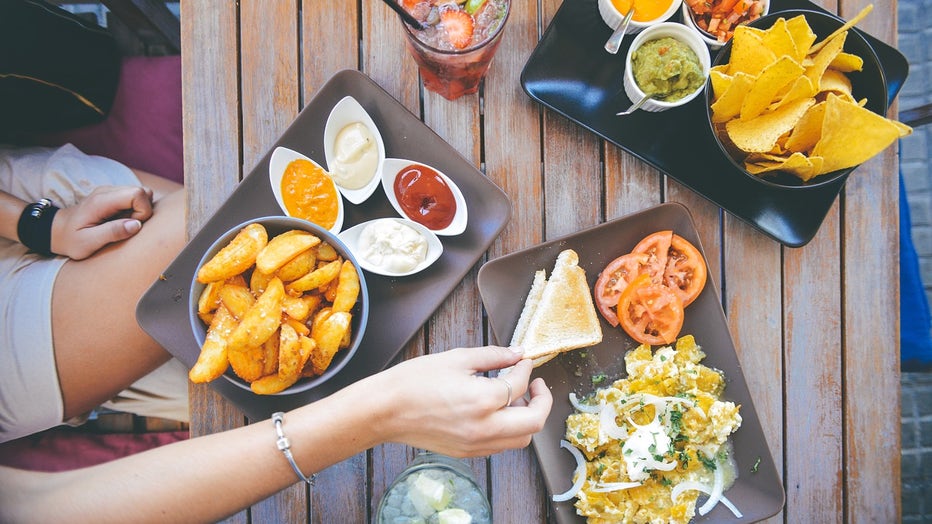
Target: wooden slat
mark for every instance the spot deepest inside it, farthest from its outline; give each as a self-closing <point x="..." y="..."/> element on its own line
<point x="512" y="161"/>
<point x="871" y="320"/>
<point x="269" y="103"/>
<point x="813" y="382"/>
<point x="210" y="89"/>
<point x="753" y="298"/>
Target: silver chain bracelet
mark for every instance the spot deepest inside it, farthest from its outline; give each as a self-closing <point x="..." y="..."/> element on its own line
<point x="284" y="445"/>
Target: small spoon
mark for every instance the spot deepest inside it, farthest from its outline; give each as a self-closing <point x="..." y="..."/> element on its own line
<point x="614" y="41"/>
<point x="635" y="106"/>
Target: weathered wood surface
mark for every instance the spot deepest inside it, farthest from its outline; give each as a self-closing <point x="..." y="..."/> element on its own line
<point x="816" y="327"/>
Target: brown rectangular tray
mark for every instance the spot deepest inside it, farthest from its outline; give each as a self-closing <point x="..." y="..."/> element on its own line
<point x="399" y="306"/>
<point x="505" y="281"/>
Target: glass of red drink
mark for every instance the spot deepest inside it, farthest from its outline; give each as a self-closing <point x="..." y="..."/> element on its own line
<point x="454" y="52"/>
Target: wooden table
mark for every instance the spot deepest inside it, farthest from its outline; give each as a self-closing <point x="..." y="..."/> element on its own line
<point x="817" y="328"/>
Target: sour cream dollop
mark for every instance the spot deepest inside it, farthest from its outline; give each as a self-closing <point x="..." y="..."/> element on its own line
<point x="392" y="246"/>
<point x="357" y="156"/>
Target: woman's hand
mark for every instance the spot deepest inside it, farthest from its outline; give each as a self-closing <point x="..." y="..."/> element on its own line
<point x="109" y="214"/>
<point x="441" y="402"/>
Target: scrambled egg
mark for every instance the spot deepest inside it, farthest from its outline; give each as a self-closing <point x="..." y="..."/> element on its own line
<point x="663" y="425"/>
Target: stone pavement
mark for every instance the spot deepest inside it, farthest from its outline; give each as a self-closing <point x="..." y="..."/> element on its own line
<point x="915" y="41"/>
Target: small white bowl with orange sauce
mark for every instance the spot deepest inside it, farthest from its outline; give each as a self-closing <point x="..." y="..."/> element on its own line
<point x="646" y="13"/>
<point x="304" y="189"/>
<point x="424" y="195"/>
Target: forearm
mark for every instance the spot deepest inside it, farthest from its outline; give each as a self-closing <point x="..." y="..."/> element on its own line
<point x="10" y="210"/>
<point x="203" y="479"/>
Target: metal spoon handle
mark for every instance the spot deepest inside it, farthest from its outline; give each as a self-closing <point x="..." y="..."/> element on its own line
<point x="635" y="106"/>
<point x="614" y="41"/>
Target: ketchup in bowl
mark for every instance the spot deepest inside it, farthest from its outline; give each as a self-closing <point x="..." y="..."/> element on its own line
<point x="425" y="197"/>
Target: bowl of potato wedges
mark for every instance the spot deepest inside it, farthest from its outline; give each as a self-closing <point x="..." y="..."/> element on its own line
<point x="278" y="306"/>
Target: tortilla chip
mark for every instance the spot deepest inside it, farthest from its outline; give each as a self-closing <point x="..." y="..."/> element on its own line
<point x="852" y="134"/>
<point x="771" y="80"/>
<point x="801" y="88"/>
<point x="836" y="82"/>
<point x="720" y="82"/>
<point x="728" y="105"/>
<point x="843" y="29"/>
<point x="759" y="135"/>
<point x="846" y="63"/>
<point x="780" y="41"/>
<point x="748" y="54"/>
<point x="802" y="35"/>
<point x="822" y="59"/>
<point x="807" y="131"/>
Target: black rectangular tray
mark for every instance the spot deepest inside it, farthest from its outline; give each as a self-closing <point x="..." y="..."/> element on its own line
<point x="398" y="306"/>
<point x="570" y="73"/>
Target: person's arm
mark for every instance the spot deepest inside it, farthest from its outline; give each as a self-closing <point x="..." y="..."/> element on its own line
<point x="10" y="210"/>
<point x="109" y="214"/>
<point x="436" y="402"/>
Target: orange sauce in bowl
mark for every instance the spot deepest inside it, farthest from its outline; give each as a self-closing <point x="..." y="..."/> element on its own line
<point x="644" y="10"/>
<point x="309" y="193"/>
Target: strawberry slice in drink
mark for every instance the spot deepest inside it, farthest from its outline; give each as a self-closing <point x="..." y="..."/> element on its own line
<point x="458" y="26"/>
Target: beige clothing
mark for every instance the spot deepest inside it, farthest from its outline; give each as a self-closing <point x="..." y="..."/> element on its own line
<point x="30" y="396"/>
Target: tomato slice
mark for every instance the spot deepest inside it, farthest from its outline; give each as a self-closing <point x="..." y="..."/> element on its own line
<point x="613" y="280"/>
<point x="685" y="272"/>
<point x="650" y="313"/>
<point x="656" y="246"/>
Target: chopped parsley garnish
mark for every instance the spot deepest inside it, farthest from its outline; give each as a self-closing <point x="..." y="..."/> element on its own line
<point x="706" y="461"/>
<point x="755" y="466"/>
<point x="664" y="481"/>
<point x="676" y="421"/>
<point x="598" y="379"/>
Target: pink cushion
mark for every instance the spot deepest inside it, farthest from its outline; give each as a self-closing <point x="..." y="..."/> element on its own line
<point x="64" y="448"/>
<point x="143" y="129"/>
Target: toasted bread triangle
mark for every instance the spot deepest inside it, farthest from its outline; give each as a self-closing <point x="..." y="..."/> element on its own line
<point x="563" y="317"/>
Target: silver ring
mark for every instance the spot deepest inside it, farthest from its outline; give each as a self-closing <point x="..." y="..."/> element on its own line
<point x="507" y="385"/>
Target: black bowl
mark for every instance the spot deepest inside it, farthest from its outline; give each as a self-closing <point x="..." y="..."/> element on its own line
<point x="276" y="225"/>
<point x="869" y="83"/>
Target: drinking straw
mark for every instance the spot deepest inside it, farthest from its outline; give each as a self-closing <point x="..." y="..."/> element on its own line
<point x="405" y="15"/>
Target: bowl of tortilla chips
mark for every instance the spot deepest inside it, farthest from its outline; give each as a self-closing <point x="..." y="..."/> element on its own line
<point x="798" y="98"/>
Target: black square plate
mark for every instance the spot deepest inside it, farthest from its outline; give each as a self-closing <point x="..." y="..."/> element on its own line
<point x="570" y="73"/>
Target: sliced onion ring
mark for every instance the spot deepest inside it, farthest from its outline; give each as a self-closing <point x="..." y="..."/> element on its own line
<point x="607" y="487"/>
<point x="579" y="473"/>
<point x="582" y="408"/>
<point x="702" y="488"/>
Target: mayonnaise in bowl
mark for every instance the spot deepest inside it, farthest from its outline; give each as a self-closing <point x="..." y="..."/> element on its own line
<point x="394" y="247"/>
<point x="354" y="150"/>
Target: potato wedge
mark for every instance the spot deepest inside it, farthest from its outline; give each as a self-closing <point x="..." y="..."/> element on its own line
<point x="258" y="282"/>
<point x="236" y="257"/>
<point x="289" y="353"/>
<point x="283" y="248"/>
<point x="347" y="288"/>
<point x="298" y="266"/>
<point x="237" y="299"/>
<point x="317" y="278"/>
<point x="328" y="334"/>
<point x="326" y="252"/>
<point x="272" y="384"/>
<point x="212" y="361"/>
<point x="270" y="354"/>
<point x="262" y="319"/>
<point x="209" y="300"/>
<point x="247" y="362"/>
<point x="296" y="308"/>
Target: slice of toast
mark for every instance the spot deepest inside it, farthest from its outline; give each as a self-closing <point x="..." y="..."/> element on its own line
<point x="560" y="316"/>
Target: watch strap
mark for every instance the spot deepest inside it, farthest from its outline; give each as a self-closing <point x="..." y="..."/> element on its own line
<point x="35" y="226"/>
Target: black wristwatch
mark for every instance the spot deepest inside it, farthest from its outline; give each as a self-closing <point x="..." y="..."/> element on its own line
<point x="35" y="226"/>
